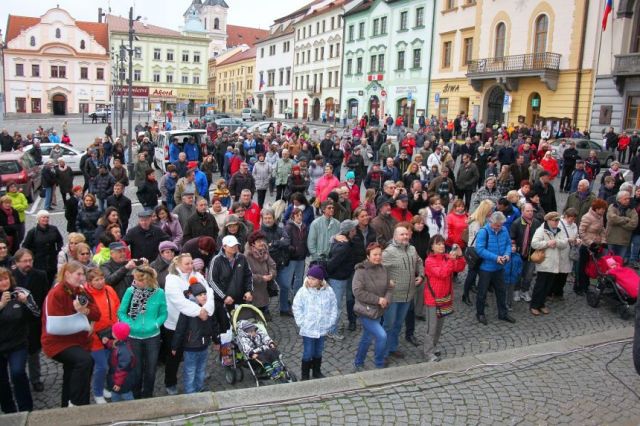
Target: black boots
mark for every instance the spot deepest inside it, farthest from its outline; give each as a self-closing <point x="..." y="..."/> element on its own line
<point x="317" y="363"/>
<point x="306" y="368"/>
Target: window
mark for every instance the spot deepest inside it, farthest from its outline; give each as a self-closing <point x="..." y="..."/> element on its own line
<point x="449" y="4"/>
<point x="318" y="27"/>
<point x="262" y="52"/>
<point x="374" y="62"/>
<point x="137" y="52"/>
<point x="323" y="26"/>
<point x="446" y="54"/>
<point x="304" y="32"/>
<point x="122" y="74"/>
<point x="288" y="76"/>
<point x="156" y="54"/>
<point x="280" y="77"/>
<point x="196" y="79"/>
<point x="403" y="20"/>
<point x="21" y="104"/>
<point x="381" y="63"/>
<point x="359" y="66"/>
<point x="360" y="30"/>
<point x="169" y="77"/>
<point x="417" y="53"/>
<point x="156" y="76"/>
<point x="331" y="51"/>
<point x="330" y="75"/>
<point x="350" y="38"/>
<point x="315" y="54"/>
<point x="322" y="53"/>
<point x="19" y="70"/>
<point x="271" y="78"/>
<point x="308" y="55"/>
<point x="501" y="31"/>
<point x="196" y="57"/>
<point x="400" y="65"/>
<point x="35" y="70"/>
<point x="249" y="84"/>
<point x="542" y="27"/>
<point x="349" y="66"/>
<point x="185" y="56"/>
<point x="58" y="33"/>
<point x="216" y="24"/>
<point x="295" y="84"/>
<point x="467" y="53"/>
<point x="36" y="105"/>
<point x="58" y="71"/>
<point x="375" y="27"/>
<point x="82" y="45"/>
<point x="337" y="49"/>
<point x="137" y="75"/>
<point x="32" y="41"/>
<point x="443" y="108"/>
<point x="272" y="50"/>
<point x="84" y="73"/>
<point x="420" y="17"/>
<point x="333" y="22"/>
<point x="298" y="58"/>
<point x="632" y="118"/>
<point x="286" y="46"/>
<point x="383" y="25"/>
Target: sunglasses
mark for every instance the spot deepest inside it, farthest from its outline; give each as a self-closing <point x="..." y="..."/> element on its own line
<point x="84" y="253"/>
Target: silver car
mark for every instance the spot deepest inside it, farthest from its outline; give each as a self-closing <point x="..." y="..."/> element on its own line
<point x="584" y="146"/>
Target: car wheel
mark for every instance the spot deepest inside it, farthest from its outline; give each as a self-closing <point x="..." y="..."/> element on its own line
<point x="609" y="161"/>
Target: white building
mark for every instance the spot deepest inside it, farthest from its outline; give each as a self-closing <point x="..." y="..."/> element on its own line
<point x="317" y="60"/>
<point x="213" y="15"/>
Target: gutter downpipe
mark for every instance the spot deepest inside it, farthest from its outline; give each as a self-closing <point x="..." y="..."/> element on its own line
<point x="576" y="101"/>
<point x="433" y="20"/>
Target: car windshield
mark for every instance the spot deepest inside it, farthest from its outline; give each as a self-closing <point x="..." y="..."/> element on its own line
<point x="9" y="167"/>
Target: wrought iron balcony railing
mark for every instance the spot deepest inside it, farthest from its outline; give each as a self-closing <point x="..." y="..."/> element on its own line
<point x="514" y="64"/>
<point x="627" y="64"/>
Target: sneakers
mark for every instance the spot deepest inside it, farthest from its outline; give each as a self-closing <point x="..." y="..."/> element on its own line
<point x="517" y="295"/>
<point x="106" y="393"/>
<point x="172" y="390"/>
<point x="99" y="400"/>
<point x="526" y="296"/>
<point x="357" y="369"/>
<point x="434" y="358"/>
<point x="335" y="336"/>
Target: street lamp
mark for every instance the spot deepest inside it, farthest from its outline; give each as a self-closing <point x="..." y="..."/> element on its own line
<point x="115" y="73"/>
<point x="130" y="94"/>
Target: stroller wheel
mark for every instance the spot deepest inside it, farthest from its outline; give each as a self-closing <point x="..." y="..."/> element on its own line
<point x="593" y="298"/>
<point x="230" y="375"/>
<point x="239" y="373"/>
<point x="624" y="311"/>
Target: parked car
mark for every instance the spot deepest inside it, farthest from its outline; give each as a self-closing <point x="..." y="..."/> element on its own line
<point x="165" y="138"/>
<point x="19" y="166"/>
<point x="70" y="155"/>
<point x="232" y="123"/>
<point x="264" y="125"/>
<point x="213" y="117"/>
<point x="584" y="146"/>
<point x="252" y="114"/>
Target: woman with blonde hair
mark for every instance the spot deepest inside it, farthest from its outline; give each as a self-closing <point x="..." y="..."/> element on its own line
<point x="84" y="255"/>
<point x="68" y="252"/>
<point x="412" y="173"/>
<point x="144" y="308"/>
<point x="477" y="220"/>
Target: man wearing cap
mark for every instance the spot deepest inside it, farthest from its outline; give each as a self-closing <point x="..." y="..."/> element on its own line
<point x="321" y="231"/>
<point x="240" y="181"/>
<point x="231" y="279"/>
<point x="117" y="271"/>
<point x="144" y="238"/>
<point x="181" y="164"/>
<point x="384" y="223"/>
<point x="400" y="212"/>
<point x="185" y="184"/>
<point x="201" y="223"/>
<point x="167" y="251"/>
<point x="186" y="208"/>
<point x="121" y="203"/>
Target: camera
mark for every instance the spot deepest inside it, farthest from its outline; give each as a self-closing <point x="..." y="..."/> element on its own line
<point x="14" y="295"/>
<point x="82" y="299"/>
<point x="138" y="262"/>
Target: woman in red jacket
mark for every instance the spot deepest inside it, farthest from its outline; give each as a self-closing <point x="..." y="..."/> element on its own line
<point x="550" y="164"/>
<point x="457" y="224"/>
<point x="439" y="269"/>
<point x="108" y="303"/>
<point x="67" y="298"/>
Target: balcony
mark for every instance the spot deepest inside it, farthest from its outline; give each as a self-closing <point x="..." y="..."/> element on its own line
<point x="506" y="70"/>
<point x="314" y="90"/>
<point x="626" y="65"/>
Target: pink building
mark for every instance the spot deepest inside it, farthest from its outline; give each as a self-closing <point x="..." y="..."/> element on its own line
<point x="55" y="64"/>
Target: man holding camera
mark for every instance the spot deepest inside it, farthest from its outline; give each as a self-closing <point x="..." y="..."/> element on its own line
<point x="144" y="238"/>
<point x="117" y="271"/>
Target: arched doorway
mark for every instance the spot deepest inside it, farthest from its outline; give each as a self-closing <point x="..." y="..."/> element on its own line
<point x="374" y="106"/>
<point x="269" y="112"/>
<point x="407" y="109"/>
<point x="495" y="100"/>
<point x="260" y="104"/>
<point x="533" y="108"/>
<point x="59" y="104"/>
<point x="316" y="109"/>
<point x="224" y="105"/>
<point x="305" y="109"/>
<point x="329" y="105"/>
<point x="295" y="108"/>
<point x="352" y="110"/>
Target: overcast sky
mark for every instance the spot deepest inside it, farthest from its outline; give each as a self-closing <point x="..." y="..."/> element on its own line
<point x="250" y="13"/>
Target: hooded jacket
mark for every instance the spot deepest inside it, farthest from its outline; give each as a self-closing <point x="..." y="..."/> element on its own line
<point x="370" y="283"/>
<point x="315" y="310"/>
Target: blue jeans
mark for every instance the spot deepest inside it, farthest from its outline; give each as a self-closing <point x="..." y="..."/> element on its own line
<point x="312" y="348"/>
<point x="339" y="288"/>
<point x="118" y="396"/>
<point x="393" y="319"/>
<point x="48" y="193"/>
<point x="146" y="352"/>
<point x="102" y="204"/>
<point x="284" y="278"/>
<point x="293" y="275"/>
<point x="635" y="248"/>
<point x="13" y="365"/>
<point x="618" y="250"/>
<point x="100" y="368"/>
<point x="194" y="369"/>
<point x="371" y="329"/>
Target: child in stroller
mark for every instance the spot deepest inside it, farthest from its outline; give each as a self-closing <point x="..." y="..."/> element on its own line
<point x="257" y="345"/>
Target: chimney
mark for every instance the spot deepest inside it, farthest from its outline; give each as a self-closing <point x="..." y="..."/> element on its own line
<point x="100" y="15"/>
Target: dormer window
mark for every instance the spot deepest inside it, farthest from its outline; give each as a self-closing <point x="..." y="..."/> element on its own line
<point x="216" y="24"/>
<point x="58" y="33"/>
<point x="82" y="45"/>
<point x="32" y="41"/>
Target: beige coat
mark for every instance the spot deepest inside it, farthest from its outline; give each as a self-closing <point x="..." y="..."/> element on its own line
<point x="552" y="259"/>
<point x="591" y="229"/>
<point x="620" y="227"/>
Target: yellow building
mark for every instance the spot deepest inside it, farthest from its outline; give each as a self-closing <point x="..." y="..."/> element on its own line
<point x="506" y="61"/>
<point x="234" y="81"/>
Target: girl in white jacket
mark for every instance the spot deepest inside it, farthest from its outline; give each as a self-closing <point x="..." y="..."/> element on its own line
<point x="315" y="310"/>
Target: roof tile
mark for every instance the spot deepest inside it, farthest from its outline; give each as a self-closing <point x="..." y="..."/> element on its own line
<point x="238" y="35"/>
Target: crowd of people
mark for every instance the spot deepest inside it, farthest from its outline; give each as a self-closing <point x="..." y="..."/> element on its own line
<point x="378" y="226"/>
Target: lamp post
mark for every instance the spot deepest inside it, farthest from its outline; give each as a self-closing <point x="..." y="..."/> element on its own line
<point x="130" y="94"/>
<point x="114" y="77"/>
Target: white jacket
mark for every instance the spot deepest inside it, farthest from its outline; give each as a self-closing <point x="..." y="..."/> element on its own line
<point x="315" y="310"/>
<point x="177" y="303"/>
<point x="552" y="259"/>
<point x="566" y="264"/>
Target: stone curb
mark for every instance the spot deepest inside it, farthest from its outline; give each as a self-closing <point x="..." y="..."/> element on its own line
<point x="171" y="406"/>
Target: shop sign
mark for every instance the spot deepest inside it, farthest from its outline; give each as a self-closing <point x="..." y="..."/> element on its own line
<point x="449" y="88"/>
<point x="156" y="92"/>
<point x="196" y="94"/>
<point x="136" y="91"/>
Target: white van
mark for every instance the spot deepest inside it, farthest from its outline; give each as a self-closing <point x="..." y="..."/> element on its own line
<point x="252" y="115"/>
<point x="164" y="140"/>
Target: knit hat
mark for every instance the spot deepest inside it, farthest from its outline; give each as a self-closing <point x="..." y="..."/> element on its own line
<point x="168" y="245"/>
<point x="198" y="264"/>
<point x="192" y="165"/>
<point x="316" y="272"/>
<point x="197" y="289"/>
<point x="350" y="175"/>
<point x="120" y="330"/>
<point x="347" y="225"/>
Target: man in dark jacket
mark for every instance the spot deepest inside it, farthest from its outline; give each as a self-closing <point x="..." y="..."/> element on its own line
<point x="144" y="238"/>
<point x="122" y="203"/>
<point x="519" y="170"/>
<point x="71" y="208"/>
<point x="611" y="140"/>
<point x="102" y="186"/>
<point x="546" y="192"/>
<point x="117" y="271"/>
<point x="201" y="223"/>
<point x="242" y="180"/>
<point x="48" y="183"/>
<point x="521" y="232"/>
<point x="149" y="192"/>
<point x="467" y="180"/>
<point x="570" y="156"/>
<point x="6" y="141"/>
<point x="168" y="251"/>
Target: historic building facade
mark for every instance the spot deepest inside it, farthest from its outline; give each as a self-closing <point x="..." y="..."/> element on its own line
<point x="387" y="57"/>
<point x="55" y="64"/>
<point x="234" y="82"/>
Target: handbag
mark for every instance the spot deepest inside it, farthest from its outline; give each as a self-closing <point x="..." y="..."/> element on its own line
<point x="65" y="325"/>
<point x="574" y="251"/>
<point x="537" y="256"/>
<point x="444" y="305"/>
<point x="471" y="255"/>
<point x="273" y="289"/>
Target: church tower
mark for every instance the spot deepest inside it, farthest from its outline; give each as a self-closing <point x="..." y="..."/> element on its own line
<point x="213" y="16"/>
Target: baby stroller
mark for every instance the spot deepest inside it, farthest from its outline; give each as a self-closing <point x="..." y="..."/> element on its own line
<point x="235" y="352"/>
<point x="613" y="280"/>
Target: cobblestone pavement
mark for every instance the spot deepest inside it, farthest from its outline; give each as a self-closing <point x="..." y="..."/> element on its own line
<point x="573" y="389"/>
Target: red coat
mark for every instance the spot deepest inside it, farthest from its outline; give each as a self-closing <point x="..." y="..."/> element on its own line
<point x="401" y="215"/>
<point x="59" y="302"/>
<point x="550" y="165"/>
<point x="408" y="144"/>
<point x="252" y="214"/>
<point x="456" y="225"/>
<point x="354" y="196"/>
<point x="234" y="164"/>
<point x="623" y="143"/>
<point x="108" y="303"/>
<point x="439" y="269"/>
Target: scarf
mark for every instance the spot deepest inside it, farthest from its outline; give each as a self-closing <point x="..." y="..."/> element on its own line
<point x="525" y="238"/>
<point x="621" y="209"/>
<point x="139" y="298"/>
<point x="260" y="254"/>
<point x="9" y="213"/>
<point x="436" y="215"/>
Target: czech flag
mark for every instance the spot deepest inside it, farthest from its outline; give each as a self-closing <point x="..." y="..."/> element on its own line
<point x="608" y="7"/>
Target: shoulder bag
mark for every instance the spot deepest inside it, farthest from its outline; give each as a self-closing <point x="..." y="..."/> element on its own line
<point x="444" y="305"/>
<point x="471" y="255"/>
<point x="574" y="250"/>
<point x="538" y="255"/>
<point x="65" y="325"/>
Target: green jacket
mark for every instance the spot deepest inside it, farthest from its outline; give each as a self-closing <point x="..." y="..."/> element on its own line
<point x="581" y="206"/>
<point x="321" y="232"/>
<point x="148" y="324"/>
<point x="20" y="203"/>
<point x="282" y="171"/>
<point x="388" y="150"/>
<point x="403" y="266"/>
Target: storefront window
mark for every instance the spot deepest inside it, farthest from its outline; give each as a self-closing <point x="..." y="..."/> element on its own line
<point x="36" y="105"/>
<point x="443" y="109"/>
<point x="21" y="105"/>
<point x="632" y="117"/>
